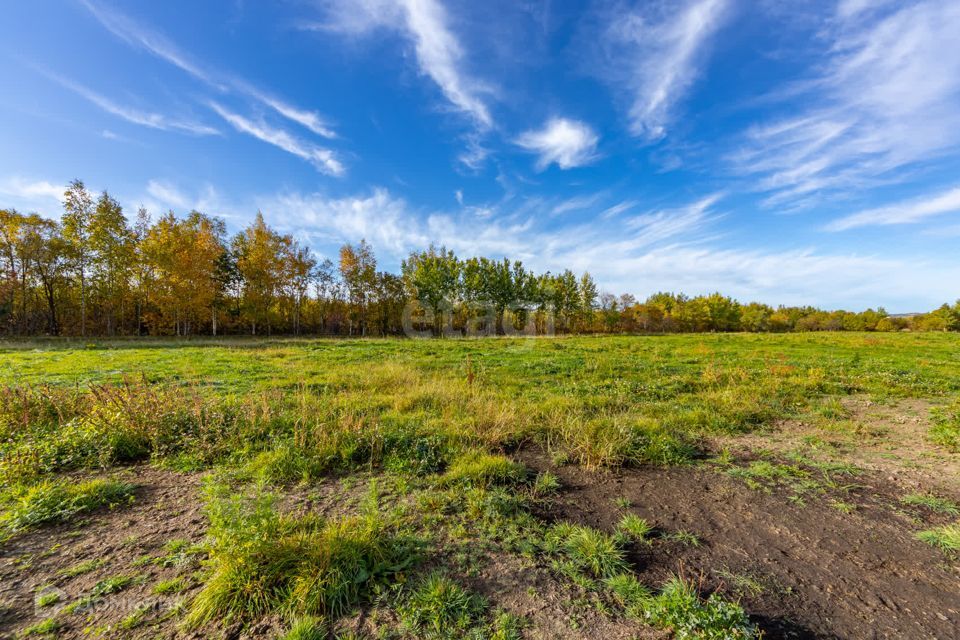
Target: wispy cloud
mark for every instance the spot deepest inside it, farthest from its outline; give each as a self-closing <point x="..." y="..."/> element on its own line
<point x="324" y="160"/>
<point x="673" y="249"/>
<point x="143" y="118"/>
<point x="910" y="211"/>
<point x="440" y="55"/>
<point x="655" y="52"/>
<point x="886" y="97"/>
<point x="566" y="143"/>
<point x="164" y="195"/>
<point x="31" y="190"/>
<point x="155" y="43"/>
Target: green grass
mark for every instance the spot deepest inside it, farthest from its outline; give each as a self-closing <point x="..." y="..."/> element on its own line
<point x="48" y="627"/>
<point x="264" y="561"/>
<point x="934" y="503"/>
<point x="440" y="608"/>
<point x="945" y="538"/>
<point x="51" y="501"/>
<point x="946" y="427"/>
<point x="447" y="424"/>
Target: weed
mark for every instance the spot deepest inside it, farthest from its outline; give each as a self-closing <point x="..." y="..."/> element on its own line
<point x="545" y="484"/>
<point x="632" y="596"/>
<point x="946" y="427"/>
<point x="678" y="607"/>
<point x="686" y="538"/>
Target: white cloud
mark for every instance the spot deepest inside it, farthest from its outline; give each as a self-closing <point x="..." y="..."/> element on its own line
<point x="162" y="195"/>
<point x="135" y="116"/>
<point x="458" y="194"/>
<point x="323" y="159"/>
<point x="656" y="57"/>
<point x="566" y="143"/>
<point x="426" y="24"/>
<point x="41" y="191"/>
<point x="158" y="45"/>
<point x="887" y="97"/>
<point x="908" y="212"/>
<point x="671" y="249"/>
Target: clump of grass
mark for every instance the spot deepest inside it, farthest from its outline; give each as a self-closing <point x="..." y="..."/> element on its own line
<point x="440" y="608"/>
<point x="946" y="427"/>
<point x="48" y="598"/>
<point x="307" y="628"/>
<point x="287" y="463"/>
<point x="47" y="627"/>
<point x="173" y="585"/>
<point x="59" y="500"/>
<point x="945" y="538"/>
<point x="588" y="551"/>
<point x="629" y="593"/>
<point x="616" y="440"/>
<point x="934" y="503"/>
<point x="82" y="567"/>
<point x="684" y="537"/>
<point x="480" y="469"/>
<point x="679" y="607"/>
<point x="264" y="561"/>
<point x="635" y="527"/>
<point x="545" y="484"/>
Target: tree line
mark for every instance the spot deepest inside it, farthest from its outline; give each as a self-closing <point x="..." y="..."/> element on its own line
<point x="94" y="272"/>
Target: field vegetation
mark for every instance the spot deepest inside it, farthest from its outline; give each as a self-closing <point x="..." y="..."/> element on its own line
<point x="385" y="488"/>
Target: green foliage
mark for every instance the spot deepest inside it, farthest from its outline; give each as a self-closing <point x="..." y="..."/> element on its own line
<point x="678" y="607"/>
<point x="262" y="560"/>
<point x="632" y="596"/>
<point x="59" y="500"/>
<point x="545" y="484"/>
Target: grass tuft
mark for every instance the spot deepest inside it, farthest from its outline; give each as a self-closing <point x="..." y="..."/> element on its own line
<point x="479" y="469"/>
<point x="934" y="503"/>
<point x="678" y="607"/>
<point x="440" y="608"/>
<point x="52" y="501"/>
<point x="589" y="551"/>
<point x="945" y="538"/>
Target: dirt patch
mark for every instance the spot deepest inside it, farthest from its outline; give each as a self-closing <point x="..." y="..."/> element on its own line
<point x="802" y="571"/>
<point x="129" y="542"/>
<point x="889" y="437"/>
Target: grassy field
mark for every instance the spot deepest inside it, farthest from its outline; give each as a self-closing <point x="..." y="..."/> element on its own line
<point x="490" y="488"/>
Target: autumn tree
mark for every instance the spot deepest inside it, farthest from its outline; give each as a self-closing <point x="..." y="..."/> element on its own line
<point x="358" y="268"/>
<point x="77" y="217"/>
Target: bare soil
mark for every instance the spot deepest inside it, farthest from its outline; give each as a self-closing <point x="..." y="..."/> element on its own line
<point x="808" y="571"/>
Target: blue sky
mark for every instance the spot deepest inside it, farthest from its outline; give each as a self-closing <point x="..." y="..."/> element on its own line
<point x="803" y="153"/>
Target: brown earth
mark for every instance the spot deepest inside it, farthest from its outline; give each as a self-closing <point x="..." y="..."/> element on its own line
<point x="808" y="571"/>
